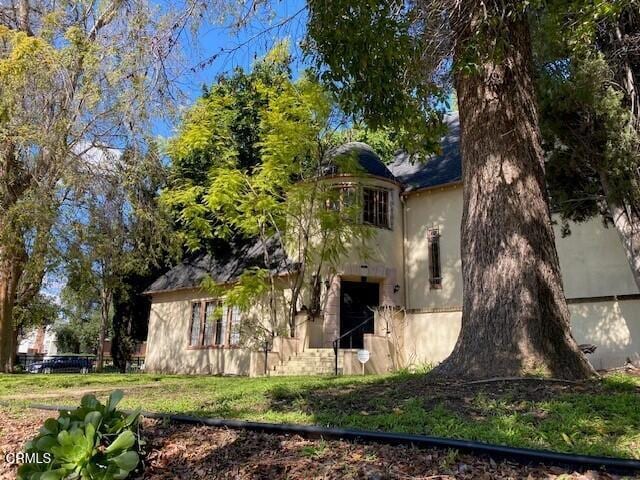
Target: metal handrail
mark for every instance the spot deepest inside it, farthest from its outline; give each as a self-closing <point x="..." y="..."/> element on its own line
<point x="336" y="342"/>
<point x="266" y="347"/>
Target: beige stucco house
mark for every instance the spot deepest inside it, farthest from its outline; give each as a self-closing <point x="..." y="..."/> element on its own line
<point x="413" y="276"/>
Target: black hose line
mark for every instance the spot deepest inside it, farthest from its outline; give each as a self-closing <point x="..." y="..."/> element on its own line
<point x="521" y="455"/>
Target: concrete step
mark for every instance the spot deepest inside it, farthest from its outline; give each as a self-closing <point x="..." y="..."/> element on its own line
<point x="313" y="355"/>
<point x="313" y="361"/>
<point x="302" y="371"/>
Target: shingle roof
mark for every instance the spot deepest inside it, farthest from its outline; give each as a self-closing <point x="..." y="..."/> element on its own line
<point x="441" y="169"/>
<point x="223" y="267"/>
<point x="368" y="160"/>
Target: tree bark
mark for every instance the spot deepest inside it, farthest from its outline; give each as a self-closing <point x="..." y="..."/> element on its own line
<point x="627" y="225"/>
<point x="10" y="271"/>
<point x="104" y="320"/>
<point x="515" y="318"/>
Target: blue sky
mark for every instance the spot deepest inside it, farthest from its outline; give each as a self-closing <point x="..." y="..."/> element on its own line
<point x="238" y="48"/>
<point x="233" y="49"/>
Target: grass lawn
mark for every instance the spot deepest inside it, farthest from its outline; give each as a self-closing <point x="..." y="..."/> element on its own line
<point x="597" y="418"/>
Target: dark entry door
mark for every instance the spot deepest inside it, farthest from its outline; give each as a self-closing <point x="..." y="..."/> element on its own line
<point x="355" y="300"/>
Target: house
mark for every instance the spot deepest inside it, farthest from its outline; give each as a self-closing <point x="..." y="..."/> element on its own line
<point x="412" y="281"/>
<point x="39" y="341"/>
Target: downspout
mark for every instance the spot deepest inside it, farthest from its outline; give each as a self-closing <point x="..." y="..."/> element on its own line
<point x="405" y="290"/>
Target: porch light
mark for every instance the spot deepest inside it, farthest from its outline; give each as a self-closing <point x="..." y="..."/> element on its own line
<point x="364" y="271"/>
<point x="396" y="288"/>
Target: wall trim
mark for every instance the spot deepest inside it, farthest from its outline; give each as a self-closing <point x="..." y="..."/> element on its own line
<point x="454" y="308"/>
<point x="443" y="186"/>
<point x="570" y="301"/>
<point x="606" y="298"/>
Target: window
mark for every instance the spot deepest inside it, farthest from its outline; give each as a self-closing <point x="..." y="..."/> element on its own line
<point x="435" y="272"/>
<point x="375" y="203"/>
<point x="210" y="322"/>
<point x="219" y="322"/>
<point x="194" y="338"/>
<point x="341" y="197"/>
<point x="234" y="337"/>
<point x="375" y="207"/>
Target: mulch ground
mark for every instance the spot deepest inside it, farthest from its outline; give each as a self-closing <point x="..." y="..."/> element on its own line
<point x="198" y="452"/>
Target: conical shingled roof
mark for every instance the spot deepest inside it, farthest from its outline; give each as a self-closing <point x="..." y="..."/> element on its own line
<point x="367" y="160"/>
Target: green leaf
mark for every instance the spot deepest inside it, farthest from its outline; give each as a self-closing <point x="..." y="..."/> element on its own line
<point x="114" y="399"/>
<point x="50" y="426"/>
<point x="126" y="460"/>
<point x="55" y="474"/>
<point x="89" y="401"/>
<point x="46" y="443"/>
<point x="124" y="441"/>
<point x="93" y="418"/>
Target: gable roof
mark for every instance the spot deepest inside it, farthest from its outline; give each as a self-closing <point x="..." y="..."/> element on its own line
<point x="367" y="159"/>
<point x="437" y="170"/>
<point x="224" y="267"/>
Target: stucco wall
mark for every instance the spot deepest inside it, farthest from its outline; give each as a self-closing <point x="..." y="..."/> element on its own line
<point x="382" y="256"/>
<point x="592" y="259"/>
<point x="440" y="208"/>
<point x="385" y="246"/>
<point x="613" y="326"/>
<point x="168" y="340"/>
<point x="430" y="337"/>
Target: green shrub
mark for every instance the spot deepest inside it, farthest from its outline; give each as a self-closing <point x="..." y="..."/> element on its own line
<point x="95" y="441"/>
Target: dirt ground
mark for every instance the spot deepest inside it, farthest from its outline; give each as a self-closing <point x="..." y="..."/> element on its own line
<point x="198" y="452"/>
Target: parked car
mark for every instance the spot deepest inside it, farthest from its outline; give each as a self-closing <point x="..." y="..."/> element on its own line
<point x="62" y="364"/>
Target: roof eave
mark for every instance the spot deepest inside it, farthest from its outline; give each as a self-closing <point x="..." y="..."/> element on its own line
<point x="363" y="175"/>
<point x="180" y="289"/>
<point x="407" y="191"/>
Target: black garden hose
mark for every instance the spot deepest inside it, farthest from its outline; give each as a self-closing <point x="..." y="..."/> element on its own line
<point x="520" y="455"/>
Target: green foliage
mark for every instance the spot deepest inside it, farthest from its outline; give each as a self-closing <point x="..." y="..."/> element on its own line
<point x="255" y="173"/>
<point x="377" y="66"/>
<point x="67" y="340"/>
<point x="94" y="441"/>
<point x="76" y="78"/>
<point x="42" y="310"/>
<point x="586" y="121"/>
<point x="79" y="331"/>
<point x="80" y="334"/>
<point x="384" y="141"/>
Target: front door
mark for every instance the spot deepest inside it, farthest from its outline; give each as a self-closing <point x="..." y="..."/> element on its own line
<point x="356" y="316"/>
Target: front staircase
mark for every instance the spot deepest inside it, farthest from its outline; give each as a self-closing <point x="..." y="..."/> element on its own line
<point x="313" y="361"/>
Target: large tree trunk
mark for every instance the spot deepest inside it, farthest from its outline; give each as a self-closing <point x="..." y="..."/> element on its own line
<point x="515" y="318"/>
<point x="104" y="320"/>
<point x="10" y="271"/>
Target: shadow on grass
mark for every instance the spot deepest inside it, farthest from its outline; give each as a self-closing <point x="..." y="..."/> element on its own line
<point x="596" y="418"/>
